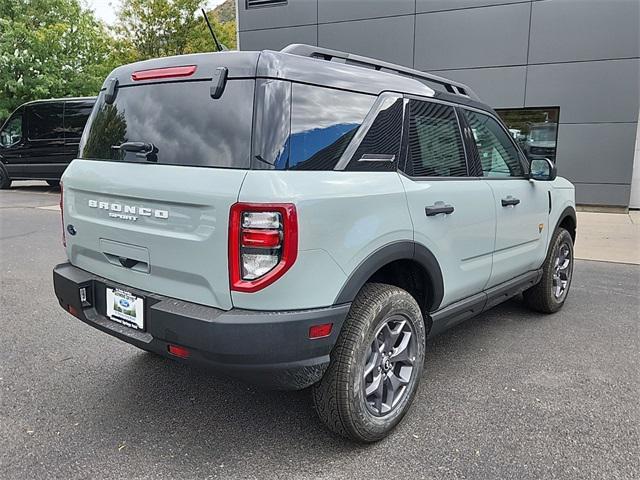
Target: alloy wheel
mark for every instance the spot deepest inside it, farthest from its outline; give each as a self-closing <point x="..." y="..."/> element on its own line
<point x="561" y="271"/>
<point x="389" y="365"/>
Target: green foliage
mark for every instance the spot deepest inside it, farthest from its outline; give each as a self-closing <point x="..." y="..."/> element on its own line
<point x="50" y="48"/>
<point x="57" y="48"/>
<point x="158" y="28"/>
<point x="109" y="128"/>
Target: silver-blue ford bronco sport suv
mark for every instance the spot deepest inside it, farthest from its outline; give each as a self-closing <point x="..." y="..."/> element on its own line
<point x="305" y="218"/>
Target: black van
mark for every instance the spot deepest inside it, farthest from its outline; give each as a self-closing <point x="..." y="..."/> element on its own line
<point x="40" y="138"/>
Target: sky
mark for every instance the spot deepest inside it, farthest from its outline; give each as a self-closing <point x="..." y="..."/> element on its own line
<point x="106" y="9"/>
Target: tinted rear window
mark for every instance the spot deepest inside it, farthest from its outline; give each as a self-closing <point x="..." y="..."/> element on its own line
<point x="181" y="120"/>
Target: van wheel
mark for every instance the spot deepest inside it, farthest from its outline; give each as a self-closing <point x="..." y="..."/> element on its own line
<point x="5" y="181"/>
<point x="53" y="183"/>
<point x="375" y="365"/>
<point x="549" y="294"/>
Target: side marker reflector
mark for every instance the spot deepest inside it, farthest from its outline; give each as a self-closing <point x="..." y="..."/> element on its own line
<point x="178" y="351"/>
<point x="320" y="331"/>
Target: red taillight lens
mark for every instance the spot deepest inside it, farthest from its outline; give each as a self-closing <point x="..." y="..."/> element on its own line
<point x="64" y="237"/>
<point x="263" y="244"/>
<point x="166" y="72"/>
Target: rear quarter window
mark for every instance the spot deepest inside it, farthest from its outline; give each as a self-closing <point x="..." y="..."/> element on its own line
<point x="323" y="122"/>
<point x="180" y="119"/>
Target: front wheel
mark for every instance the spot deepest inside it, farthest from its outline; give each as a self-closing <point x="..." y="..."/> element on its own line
<point x="375" y="366"/>
<point x="549" y="295"/>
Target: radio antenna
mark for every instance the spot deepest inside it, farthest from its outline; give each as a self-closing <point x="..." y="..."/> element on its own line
<point x="215" y="40"/>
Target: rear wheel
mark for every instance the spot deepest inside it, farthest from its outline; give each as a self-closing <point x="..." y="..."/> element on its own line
<point x="5" y="181"/>
<point x="375" y="366"/>
<point x="549" y="295"/>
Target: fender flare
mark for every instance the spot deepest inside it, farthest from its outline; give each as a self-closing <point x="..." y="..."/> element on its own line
<point x="402" y="250"/>
<point x="567" y="212"/>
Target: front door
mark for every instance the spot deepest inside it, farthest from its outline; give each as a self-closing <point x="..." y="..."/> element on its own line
<point x="522" y="206"/>
<point x="12" y="138"/>
<point x="453" y="213"/>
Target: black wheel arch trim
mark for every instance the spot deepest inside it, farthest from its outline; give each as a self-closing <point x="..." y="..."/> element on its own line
<point x="568" y="212"/>
<point x="402" y="250"/>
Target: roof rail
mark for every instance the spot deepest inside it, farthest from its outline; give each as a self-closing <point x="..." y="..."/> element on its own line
<point x="450" y="86"/>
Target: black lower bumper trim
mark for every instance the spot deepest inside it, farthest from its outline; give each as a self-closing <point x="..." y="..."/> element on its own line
<point x="271" y="349"/>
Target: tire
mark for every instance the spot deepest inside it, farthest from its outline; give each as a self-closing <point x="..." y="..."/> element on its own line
<point x="53" y="183"/>
<point x="339" y="398"/>
<point x="5" y="181"/>
<point x="549" y="295"/>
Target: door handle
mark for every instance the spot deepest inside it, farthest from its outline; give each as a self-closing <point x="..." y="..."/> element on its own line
<point x="510" y="201"/>
<point x="437" y="208"/>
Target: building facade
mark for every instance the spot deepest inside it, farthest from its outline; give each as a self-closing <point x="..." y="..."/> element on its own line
<point x="564" y="74"/>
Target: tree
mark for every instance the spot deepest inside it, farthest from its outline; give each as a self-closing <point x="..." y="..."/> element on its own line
<point x="158" y="28"/>
<point x="51" y="48"/>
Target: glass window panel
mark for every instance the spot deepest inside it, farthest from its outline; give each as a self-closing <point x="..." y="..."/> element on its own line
<point x="435" y="144"/>
<point x="534" y="129"/>
<point x="323" y="122"/>
<point x="45" y="121"/>
<point x="498" y="155"/>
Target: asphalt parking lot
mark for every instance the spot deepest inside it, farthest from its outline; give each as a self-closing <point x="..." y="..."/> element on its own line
<point x="509" y="394"/>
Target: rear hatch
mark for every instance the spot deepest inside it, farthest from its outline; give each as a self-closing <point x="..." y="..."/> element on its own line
<point x="158" y="169"/>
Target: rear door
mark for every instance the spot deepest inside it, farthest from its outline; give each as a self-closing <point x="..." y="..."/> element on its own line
<point x="522" y="206"/>
<point x="44" y="148"/>
<point x="76" y="114"/>
<point x="453" y="213"/>
<point x="156" y="217"/>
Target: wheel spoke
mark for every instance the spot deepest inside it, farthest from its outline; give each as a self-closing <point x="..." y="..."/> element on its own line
<point x="375" y="384"/>
<point x="401" y="352"/>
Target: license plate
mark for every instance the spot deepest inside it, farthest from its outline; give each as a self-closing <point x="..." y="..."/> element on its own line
<point x="125" y="308"/>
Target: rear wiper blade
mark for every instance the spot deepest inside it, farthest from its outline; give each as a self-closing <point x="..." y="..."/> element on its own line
<point x="142" y="149"/>
<point x="134" y="147"/>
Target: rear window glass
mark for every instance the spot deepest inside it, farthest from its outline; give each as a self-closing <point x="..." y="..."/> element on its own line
<point x="323" y="122"/>
<point x="180" y="121"/>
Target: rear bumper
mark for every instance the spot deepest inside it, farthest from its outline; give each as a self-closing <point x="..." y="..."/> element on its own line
<point x="271" y="349"/>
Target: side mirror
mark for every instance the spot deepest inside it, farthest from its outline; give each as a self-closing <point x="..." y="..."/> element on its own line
<point x="543" y="169"/>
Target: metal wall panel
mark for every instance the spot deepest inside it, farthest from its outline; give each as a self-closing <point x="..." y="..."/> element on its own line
<point x="476" y="37"/>
<point x="596" y="152"/>
<point x="605" y="91"/>
<point x="295" y="12"/>
<point x="501" y="87"/>
<point x="341" y="10"/>
<point x="570" y="30"/>
<point x="602" y="194"/>
<point x="277" y="38"/>
<point x="389" y="39"/>
<point x="438" y="5"/>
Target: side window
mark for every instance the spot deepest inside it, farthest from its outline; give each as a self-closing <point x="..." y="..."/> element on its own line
<point x="435" y="143"/>
<point x="381" y="140"/>
<point x="12" y="131"/>
<point x="45" y="121"/>
<point x="323" y="122"/>
<point x="498" y="155"/>
<point x="75" y="118"/>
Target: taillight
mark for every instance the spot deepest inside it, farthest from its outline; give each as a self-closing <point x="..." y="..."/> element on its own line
<point x="64" y="237"/>
<point x="165" y="72"/>
<point x="263" y="244"/>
